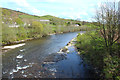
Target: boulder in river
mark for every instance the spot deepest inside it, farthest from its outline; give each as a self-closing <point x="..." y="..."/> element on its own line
<point x="64" y="49"/>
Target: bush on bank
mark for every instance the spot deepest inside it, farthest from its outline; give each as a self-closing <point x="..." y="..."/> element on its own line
<point x="92" y="48"/>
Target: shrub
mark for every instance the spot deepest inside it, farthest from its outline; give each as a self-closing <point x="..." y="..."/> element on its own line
<point x="8" y="34"/>
<point x="92" y="48"/>
<point x="37" y="29"/>
<point x="21" y="33"/>
<point x="19" y="21"/>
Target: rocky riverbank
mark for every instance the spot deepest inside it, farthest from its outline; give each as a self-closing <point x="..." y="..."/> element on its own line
<point x="23" y="41"/>
<point x="60" y="55"/>
<point x="49" y="64"/>
<point x="66" y="63"/>
<point x="47" y="68"/>
<point x="12" y="45"/>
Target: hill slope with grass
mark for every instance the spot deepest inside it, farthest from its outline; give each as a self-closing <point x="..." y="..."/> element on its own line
<point x="18" y="26"/>
<point x="12" y="14"/>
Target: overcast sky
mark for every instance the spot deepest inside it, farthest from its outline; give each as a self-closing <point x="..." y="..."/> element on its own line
<point x="71" y="9"/>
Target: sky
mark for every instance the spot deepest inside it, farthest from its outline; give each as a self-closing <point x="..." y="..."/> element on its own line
<point x="68" y="9"/>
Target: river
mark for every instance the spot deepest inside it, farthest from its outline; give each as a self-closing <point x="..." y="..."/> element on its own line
<point x="26" y="61"/>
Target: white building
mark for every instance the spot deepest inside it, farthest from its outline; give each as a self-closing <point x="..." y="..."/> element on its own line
<point x="25" y="24"/>
<point x="45" y="20"/>
<point x="76" y="25"/>
<point x="14" y="25"/>
<point x="2" y="22"/>
<point x="29" y="24"/>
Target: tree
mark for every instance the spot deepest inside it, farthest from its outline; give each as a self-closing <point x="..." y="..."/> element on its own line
<point x="19" y="21"/>
<point x="83" y="22"/>
<point x="37" y="25"/>
<point x="8" y="34"/>
<point x="78" y="24"/>
<point x="107" y="18"/>
<point x="5" y="12"/>
<point x="37" y="28"/>
<point x="22" y="34"/>
<point x="68" y="23"/>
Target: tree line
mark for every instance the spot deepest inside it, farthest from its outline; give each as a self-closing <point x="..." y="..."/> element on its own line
<point x="101" y="47"/>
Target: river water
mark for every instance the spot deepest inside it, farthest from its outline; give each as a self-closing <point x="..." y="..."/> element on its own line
<point x="26" y="61"/>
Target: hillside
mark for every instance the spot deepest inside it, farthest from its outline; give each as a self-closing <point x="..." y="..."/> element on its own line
<point x="17" y="26"/>
<point x="11" y="15"/>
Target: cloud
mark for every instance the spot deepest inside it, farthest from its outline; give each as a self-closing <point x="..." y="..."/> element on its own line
<point x="83" y="13"/>
<point x="19" y="9"/>
<point x="51" y="0"/>
<point x="61" y="8"/>
<point x="71" y="9"/>
<point x="35" y="11"/>
<point x="89" y="19"/>
<point x="38" y="12"/>
<point x="22" y="3"/>
<point x="74" y="15"/>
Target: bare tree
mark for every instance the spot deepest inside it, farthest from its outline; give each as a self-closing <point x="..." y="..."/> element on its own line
<point x="107" y="18"/>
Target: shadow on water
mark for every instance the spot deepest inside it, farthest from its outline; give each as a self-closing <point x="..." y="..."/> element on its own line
<point x="74" y="67"/>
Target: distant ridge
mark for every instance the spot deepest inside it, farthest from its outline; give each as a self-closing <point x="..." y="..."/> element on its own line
<point x="14" y="12"/>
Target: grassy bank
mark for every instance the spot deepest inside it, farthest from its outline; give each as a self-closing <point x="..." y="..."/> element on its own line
<point x="11" y="35"/>
<point x="93" y="50"/>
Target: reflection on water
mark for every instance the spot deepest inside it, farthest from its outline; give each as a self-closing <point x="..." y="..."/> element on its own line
<point x="25" y="61"/>
<point x="73" y="66"/>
